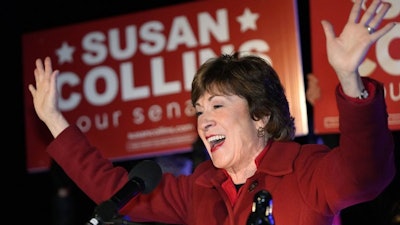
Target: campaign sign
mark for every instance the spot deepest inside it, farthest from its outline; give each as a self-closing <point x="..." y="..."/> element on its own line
<point x="125" y="81"/>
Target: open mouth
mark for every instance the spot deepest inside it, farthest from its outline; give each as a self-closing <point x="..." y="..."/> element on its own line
<point x="214" y="140"/>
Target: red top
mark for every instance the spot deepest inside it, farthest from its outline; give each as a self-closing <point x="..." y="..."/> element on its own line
<point x="309" y="183"/>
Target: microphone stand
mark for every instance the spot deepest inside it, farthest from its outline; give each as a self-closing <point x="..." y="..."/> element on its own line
<point x="115" y="221"/>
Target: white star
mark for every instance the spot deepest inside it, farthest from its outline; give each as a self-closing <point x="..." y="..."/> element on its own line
<point x="247" y="20"/>
<point x="65" y="53"/>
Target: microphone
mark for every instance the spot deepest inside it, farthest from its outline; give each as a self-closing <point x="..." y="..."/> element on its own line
<point x="261" y="211"/>
<point x="143" y="178"/>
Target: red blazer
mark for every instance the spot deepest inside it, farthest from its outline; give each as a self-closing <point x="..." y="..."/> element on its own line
<point x="309" y="183"/>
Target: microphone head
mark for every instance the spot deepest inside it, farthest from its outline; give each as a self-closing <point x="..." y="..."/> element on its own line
<point x="262" y="197"/>
<point x="149" y="172"/>
<point x="262" y="200"/>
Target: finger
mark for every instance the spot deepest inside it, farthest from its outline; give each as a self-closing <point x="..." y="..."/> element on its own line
<point x="53" y="80"/>
<point x="377" y="19"/>
<point x="47" y="66"/>
<point x="382" y="31"/>
<point x="38" y="76"/>
<point x="39" y="71"/>
<point x="328" y="30"/>
<point x="355" y="11"/>
<point x="370" y="12"/>
<point x="39" y="66"/>
<point x="32" y="89"/>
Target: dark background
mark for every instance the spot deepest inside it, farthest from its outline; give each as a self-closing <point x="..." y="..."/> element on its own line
<point x="29" y="197"/>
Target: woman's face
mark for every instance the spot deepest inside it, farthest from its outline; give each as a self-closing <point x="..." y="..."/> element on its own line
<point x="227" y="130"/>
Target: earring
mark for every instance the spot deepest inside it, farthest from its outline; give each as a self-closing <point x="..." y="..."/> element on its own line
<point x="260" y="132"/>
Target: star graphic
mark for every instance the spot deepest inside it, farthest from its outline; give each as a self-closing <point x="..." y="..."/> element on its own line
<point x="247" y="20"/>
<point x="64" y="53"/>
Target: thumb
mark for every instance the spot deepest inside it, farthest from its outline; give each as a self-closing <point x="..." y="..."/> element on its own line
<point x="328" y="29"/>
<point x="32" y="89"/>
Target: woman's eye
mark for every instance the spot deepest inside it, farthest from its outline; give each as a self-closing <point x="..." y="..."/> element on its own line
<point x="217" y="106"/>
<point x="198" y="113"/>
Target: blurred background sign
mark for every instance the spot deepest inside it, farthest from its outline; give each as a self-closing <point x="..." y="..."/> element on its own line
<point x="382" y="63"/>
<point x="126" y="80"/>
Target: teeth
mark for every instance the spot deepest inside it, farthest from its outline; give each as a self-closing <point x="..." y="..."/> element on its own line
<point x="215" y="138"/>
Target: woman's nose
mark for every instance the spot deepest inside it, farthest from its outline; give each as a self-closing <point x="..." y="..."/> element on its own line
<point x="205" y="122"/>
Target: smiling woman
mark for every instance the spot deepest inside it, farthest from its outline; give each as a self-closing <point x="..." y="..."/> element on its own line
<point x="244" y="121"/>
